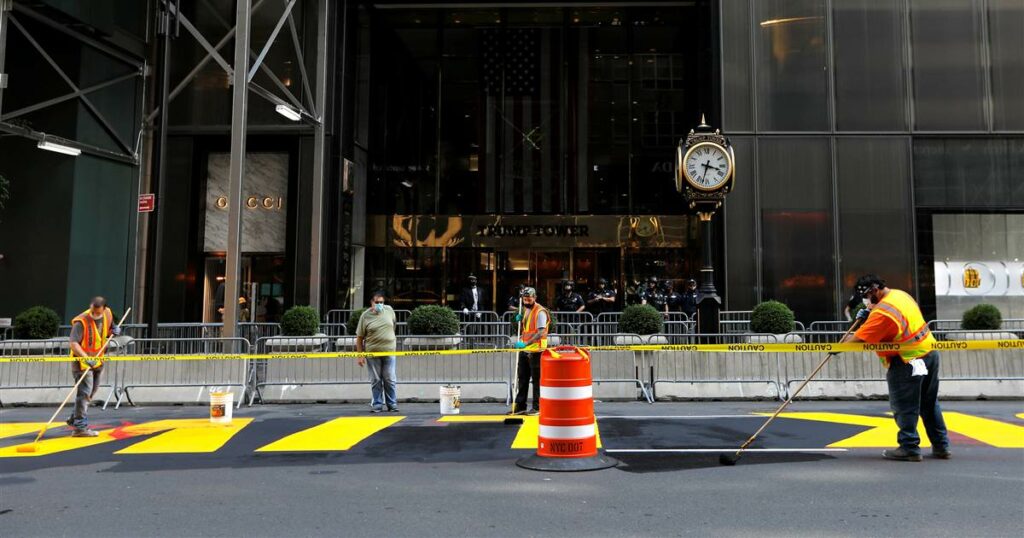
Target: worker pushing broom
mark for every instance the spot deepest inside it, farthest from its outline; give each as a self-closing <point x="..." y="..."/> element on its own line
<point x="91" y="333"/>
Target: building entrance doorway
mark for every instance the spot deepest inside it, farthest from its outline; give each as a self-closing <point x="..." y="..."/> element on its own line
<point x="261" y="293"/>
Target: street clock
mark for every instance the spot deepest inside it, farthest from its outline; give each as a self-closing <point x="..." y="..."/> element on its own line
<point x="705" y="167"/>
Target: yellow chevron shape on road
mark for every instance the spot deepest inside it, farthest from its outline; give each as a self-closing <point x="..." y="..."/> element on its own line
<point x="333" y="435"/>
<point x="14" y="429"/>
<point x="883" y="429"/>
<point x="526" y="435"/>
<point x="195" y="435"/>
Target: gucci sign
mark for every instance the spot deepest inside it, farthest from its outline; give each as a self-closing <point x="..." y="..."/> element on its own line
<point x="269" y="203"/>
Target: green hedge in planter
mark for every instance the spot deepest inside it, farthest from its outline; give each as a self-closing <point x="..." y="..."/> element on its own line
<point x="353" y="321"/>
<point x="772" y="317"/>
<point x="433" y="320"/>
<point x="983" y="317"/>
<point x="300" y="321"/>
<point x="36" y="323"/>
<point x="641" y="319"/>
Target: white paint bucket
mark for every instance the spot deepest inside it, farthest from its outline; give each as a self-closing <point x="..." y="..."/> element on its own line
<point x="450" y="400"/>
<point x="221" y="404"/>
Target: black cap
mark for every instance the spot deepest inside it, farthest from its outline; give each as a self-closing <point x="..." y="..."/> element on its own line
<point x="866" y="283"/>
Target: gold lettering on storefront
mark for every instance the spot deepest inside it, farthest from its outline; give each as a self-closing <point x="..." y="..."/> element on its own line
<point x="268" y="203"/>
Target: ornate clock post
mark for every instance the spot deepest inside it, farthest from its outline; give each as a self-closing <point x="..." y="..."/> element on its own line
<point x="704" y="175"/>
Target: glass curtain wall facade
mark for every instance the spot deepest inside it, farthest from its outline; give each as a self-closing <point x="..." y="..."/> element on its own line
<point x="527" y="144"/>
<point x="860" y="127"/>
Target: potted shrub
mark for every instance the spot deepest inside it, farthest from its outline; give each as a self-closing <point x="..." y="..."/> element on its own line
<point x="349" y="340"/>
<point x="981" y="322"/>
<point x="773" y="321"/>
<point x="433" y="326"/>
<point x="300" y="327"/>
<point x="641" y="319"/>
<point x="40" y="325"/>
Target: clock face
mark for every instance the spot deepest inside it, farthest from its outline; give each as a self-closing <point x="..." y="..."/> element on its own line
<point x="707" y="166"/>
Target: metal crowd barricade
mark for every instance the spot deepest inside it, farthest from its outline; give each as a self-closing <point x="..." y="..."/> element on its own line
<point x="734" y="321"/>
<point x="477" y="323"/>
<point x="569" y="322"/>
<point x="176" y="374"/>
<point x="829" y="326"/>
<point x="255" y="331"/>
<point x="944" y="326"/>
<point x="6" y="333"/>
<point x="288" y="373"/>
<point x="458" y="369"/>
<point x="188" y="330"/>
<point x="38" y="377"/>
<point x="708" y="372"/>
<point x="613" y="366"/>
<point x="488" y="328"/>
<point x="334" y="329"/>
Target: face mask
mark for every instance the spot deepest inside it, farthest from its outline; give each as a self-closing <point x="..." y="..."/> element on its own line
<point x="379" y="307"/>
<point x="867" y="302"/>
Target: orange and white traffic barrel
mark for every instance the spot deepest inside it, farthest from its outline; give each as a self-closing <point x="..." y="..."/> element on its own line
<point x="567" y="440"/>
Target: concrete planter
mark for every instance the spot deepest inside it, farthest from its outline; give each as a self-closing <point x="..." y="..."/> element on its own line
<point x="635" y="340"/>
<point x="297" y="344"/>
<point x="981" y="335"/>
<point x="431" y="342"/>
<point x="345" y="342"/>
<point x="788" y="338"/>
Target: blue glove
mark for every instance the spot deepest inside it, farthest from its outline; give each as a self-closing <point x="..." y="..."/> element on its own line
<point x="520" y="345"/>
<point x="863" y="313"/>
<point x="115" y="330"/>
<point x="519" y="317"/>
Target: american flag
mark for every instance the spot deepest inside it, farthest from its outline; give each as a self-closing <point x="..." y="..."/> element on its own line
<point x="511" y="57"/>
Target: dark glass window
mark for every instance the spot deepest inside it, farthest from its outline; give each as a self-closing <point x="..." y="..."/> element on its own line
<point x="948" y="75"/>
<point x="737" y="111"/>
<point x="1006" y="34"/>
<point x="792" y="69"/>
<point x="868" y="44"/>
<point x="969" y="172"/>
<point x="875" y="227"/>
<point x="796" y="215"/>
<point x="741" y="230"/>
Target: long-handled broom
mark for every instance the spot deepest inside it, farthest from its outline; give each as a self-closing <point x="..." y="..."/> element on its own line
<point x="731" y="459"/>
<point x="511" y="419"/>
<point x="32" y="447"/>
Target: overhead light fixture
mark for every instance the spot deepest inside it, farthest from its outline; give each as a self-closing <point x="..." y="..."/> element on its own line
<point x="59" y="148"/>
<point x="288" y="112"/>
<point x="775" y="22"/>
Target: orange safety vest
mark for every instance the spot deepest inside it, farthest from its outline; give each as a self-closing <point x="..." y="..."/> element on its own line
<point x="530" y="328"/>
<point x="901" y="308"/>
<point x="93" y="337"/>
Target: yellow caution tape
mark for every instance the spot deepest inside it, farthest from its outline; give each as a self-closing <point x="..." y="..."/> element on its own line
<point x="951" y="345"/>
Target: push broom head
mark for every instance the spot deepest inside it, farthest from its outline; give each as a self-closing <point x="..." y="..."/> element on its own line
<point x="513" y="420"/>
<point x="729" y="459"/>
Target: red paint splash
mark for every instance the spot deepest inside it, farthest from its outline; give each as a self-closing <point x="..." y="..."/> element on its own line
<point x="120" y="433"/>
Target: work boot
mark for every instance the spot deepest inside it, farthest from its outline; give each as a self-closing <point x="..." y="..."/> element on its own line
<point x="533" y="412"/>
<point x="942" y="454"/>
<point x="84" y="432"/>
<point x="393" y="409"/>
<point x="899" y="454"/>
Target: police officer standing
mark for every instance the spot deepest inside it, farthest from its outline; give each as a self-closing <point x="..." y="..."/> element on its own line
<point x="601" y="299"/>
<point x="652" y="296"/>
<point x="569" y="300"/>
<point x="689" y="298"/>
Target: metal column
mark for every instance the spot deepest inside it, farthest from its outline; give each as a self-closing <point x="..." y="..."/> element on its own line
<point x="319" y="159"/>
<point x="236" y="170"/>
<point x="5" y="9"/>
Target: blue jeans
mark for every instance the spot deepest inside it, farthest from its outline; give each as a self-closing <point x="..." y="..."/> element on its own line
<point x="917" y="397"/>
<point x="382" y="381"/>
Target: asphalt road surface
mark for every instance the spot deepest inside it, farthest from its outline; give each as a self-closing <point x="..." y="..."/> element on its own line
<point x="336" y="470"/>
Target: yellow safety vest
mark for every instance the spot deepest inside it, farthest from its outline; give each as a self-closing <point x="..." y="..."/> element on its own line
<point x="94" y="336"/>
<point x="901" y="308"/>
<point x="530" y="328"/>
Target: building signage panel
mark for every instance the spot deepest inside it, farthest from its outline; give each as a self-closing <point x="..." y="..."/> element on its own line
<point x="488" y="231"/>
<point x="147" y="203"/>
<point x="979" y="278"/>
<point x="264" y="206"/>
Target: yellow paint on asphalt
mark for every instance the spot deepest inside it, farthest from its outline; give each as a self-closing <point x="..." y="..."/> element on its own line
<point x="15" y="429"/>
<point x="1020" y="416"/>
<point x="189" y="436"/>
<point x="992" y="432"/>
<point x="65" y="443"/>
<point x="881" y="435"/>
<point x="526" y="437"/>
<point x="338" y="434"/>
